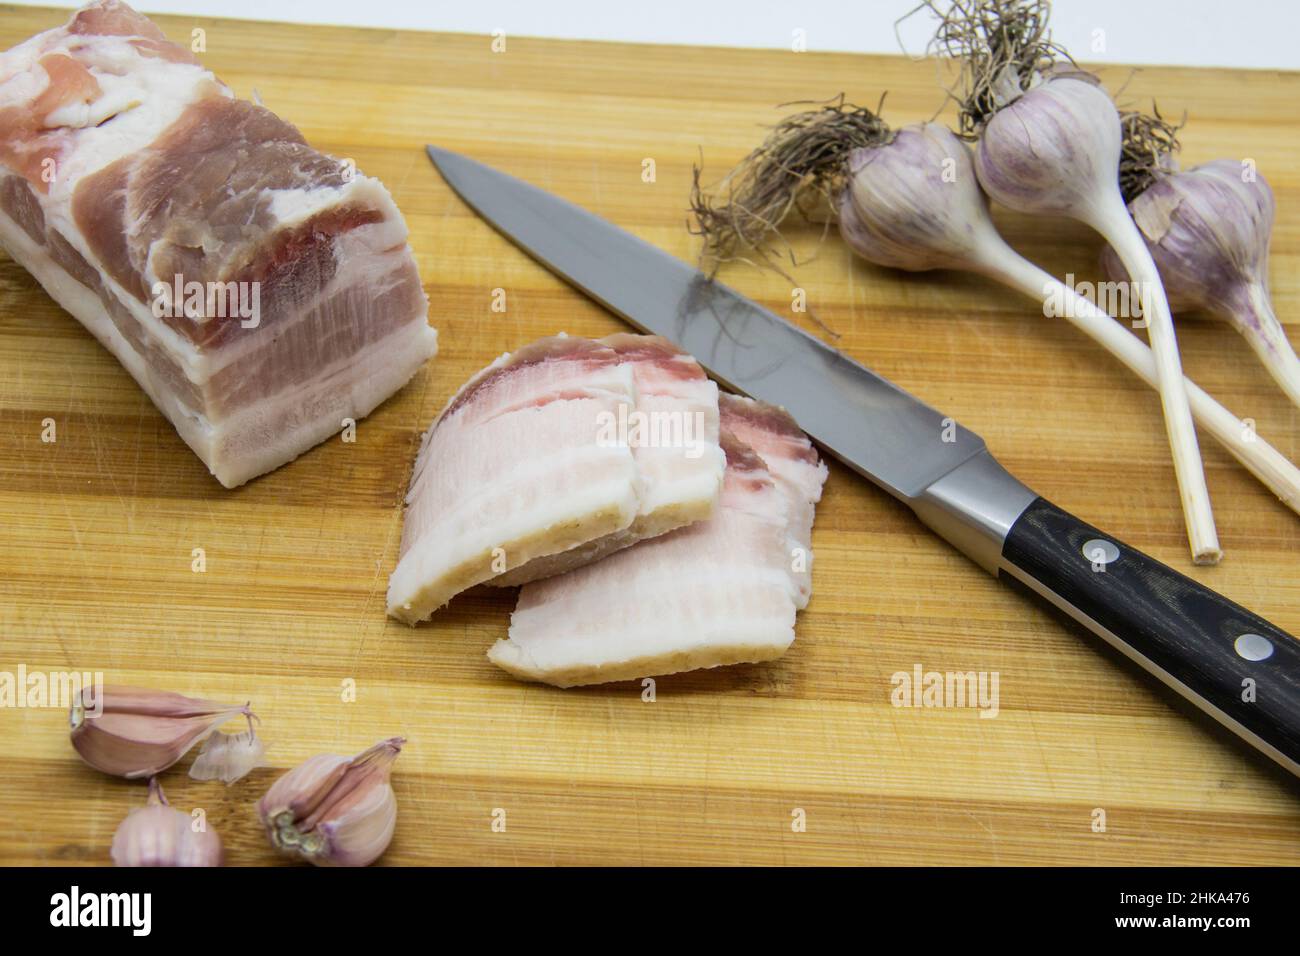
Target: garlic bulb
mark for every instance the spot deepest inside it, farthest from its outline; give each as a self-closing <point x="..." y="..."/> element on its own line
<point x="1055" y="151"/>
<point x="1209" y="230"/>
<point x="333" y="810"/>
<point x="160" y="835"/>
<point x="138" y="732"/>
<point x="914" y="203"/>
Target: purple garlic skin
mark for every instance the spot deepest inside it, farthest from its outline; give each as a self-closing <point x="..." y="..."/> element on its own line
<point x="160" y="835"/>
<point x="914" y="203"/>
<point x="1053" y="150"/>
<point x="138" y="731"/>
<point x="333" y="810"/>
<point x="1208" y="230"/>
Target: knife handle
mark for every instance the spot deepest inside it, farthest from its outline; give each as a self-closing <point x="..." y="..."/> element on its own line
<point x="1233" y="664"/>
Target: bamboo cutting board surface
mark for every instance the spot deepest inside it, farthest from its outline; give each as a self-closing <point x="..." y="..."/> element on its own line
<point x="98" y="529"/>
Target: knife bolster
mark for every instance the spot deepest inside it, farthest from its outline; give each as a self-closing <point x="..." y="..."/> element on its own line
<point x="973" y="508"/>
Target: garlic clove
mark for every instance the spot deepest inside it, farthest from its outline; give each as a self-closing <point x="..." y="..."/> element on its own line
<point x="160" y="835"/>
<point x="138" y="732"/>
<point x="333" y="810"/>
<point x="229" y="757"/>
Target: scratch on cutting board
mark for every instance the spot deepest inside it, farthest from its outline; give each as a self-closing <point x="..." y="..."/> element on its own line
<point x="993" y="837"/>
<point x="401" y="183"/>
<point x="1042" y="751"/>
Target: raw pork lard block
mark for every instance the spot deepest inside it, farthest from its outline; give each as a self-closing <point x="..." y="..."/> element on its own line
<point x="554" y="456"/>
<point x="259" y="291"/>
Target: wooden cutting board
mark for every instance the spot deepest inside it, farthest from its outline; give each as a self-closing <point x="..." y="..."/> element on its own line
<point x="98" y="529"/>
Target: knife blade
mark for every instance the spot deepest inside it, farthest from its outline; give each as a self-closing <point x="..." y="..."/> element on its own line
<point x="1237" y="667"/>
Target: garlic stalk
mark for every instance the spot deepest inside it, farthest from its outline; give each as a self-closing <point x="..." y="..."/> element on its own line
<point x="1208" y="230"/>
<point x="333" y="810"/>
<point x="160" y="835"/>
<point x="916" y="204"/>
<point x="138" y="732"/>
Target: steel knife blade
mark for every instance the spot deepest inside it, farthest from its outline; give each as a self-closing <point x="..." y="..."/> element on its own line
<point x="1193" y="639"/>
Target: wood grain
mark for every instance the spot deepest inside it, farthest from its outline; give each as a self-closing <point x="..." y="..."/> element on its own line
<point x="97" y="529"/>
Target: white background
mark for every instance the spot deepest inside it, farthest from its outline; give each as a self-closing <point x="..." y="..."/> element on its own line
<point x="1243" y="33"/>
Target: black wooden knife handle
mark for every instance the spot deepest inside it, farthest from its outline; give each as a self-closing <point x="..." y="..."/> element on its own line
<point x="1233" y="664"/>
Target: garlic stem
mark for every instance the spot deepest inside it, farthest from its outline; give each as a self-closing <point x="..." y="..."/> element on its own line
<point x="1116" y="226"/>
<point x="1056" y="151"/>
<point x="1260" y="458"/>
<point x="1260" y="327"/>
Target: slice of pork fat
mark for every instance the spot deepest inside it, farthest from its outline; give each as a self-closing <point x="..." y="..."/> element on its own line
<point x="796" y="468"/>
<point x="536" y="466"/>
<point x="717" y="592"/>
<point x="128" y="173"/>
<point x="673" y="433"/>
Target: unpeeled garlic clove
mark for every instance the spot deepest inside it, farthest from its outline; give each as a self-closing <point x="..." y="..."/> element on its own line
<point x="160" y="835"/>
<point x="333" y="810"/>
<point x="138" y="732"/>
<point x="228" y="757"/>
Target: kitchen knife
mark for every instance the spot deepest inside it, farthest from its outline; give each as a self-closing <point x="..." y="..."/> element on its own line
<point x="1233" y="664"/>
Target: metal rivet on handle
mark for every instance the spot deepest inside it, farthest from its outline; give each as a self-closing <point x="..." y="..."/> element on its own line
<point x="1100" y="551"/>
<point x="1253" y="647"/>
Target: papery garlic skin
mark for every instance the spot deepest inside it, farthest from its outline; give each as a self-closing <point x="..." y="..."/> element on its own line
<point x="229" y="757"/>
<point x="138" y="731"/>
<point x="160" y="835"/>
<point x="1209" y="231"/>
<point x="914" y="203"/>
<point x="333" y="810"/>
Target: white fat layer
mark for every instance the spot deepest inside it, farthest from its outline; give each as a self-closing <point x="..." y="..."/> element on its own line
<point x="269" y="433"/>
<point x="292" y="206"/>
<point x="710" y="594"/>
<point x="432" y="560"/>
